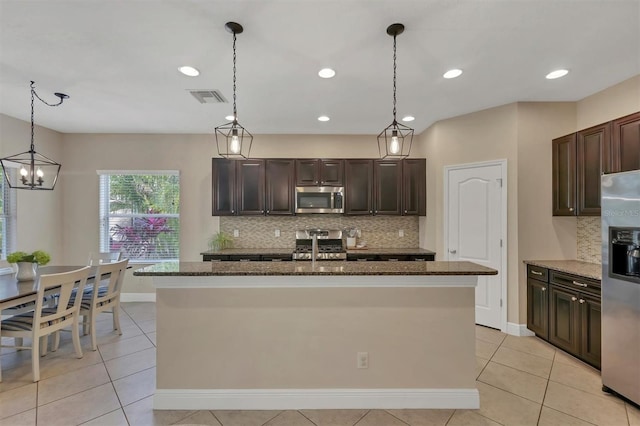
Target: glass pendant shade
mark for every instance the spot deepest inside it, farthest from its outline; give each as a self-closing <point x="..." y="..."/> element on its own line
<point x="395" y="141"/>
<point x="233" y="140"/>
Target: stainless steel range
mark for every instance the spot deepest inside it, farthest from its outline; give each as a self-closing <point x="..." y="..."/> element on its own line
<point x="328" y="245"/>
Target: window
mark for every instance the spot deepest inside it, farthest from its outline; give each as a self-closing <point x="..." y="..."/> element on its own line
<point x="8" y="213"/>
<point x="140" y="214"/>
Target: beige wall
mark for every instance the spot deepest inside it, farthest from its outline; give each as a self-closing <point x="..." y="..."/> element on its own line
<point x="608" y="104"/>
<point x="539" y="234"/>
<point x="522" y="134"/>
<point x="40" y="213"/>
<point x="65" y="221"/>
<point x="485" y="135"/>
<point x="191" y="154"/>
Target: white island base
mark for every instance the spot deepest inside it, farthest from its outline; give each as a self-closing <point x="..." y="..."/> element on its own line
<point x="295" y="342"/>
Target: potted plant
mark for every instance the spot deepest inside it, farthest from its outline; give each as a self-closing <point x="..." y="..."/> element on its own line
<point x="27" y="263"/>
<point x="220" y="241"/>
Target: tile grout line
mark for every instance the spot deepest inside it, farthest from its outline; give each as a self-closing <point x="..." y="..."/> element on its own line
<point x="395" y="417"/>
<point x="302" y="414"/>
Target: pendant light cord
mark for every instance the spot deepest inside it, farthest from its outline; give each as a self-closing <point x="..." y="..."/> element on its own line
<point x="235" y="112"/>
<point x="33" y="96"/>
<point x="394" y="78"/>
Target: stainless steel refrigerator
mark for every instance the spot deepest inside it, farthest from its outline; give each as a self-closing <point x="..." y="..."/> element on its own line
<point x="621" y="284"/>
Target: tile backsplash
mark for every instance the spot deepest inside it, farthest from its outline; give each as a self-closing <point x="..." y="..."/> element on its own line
<point x="376" y="231"/>
<point x="589" y="230"/>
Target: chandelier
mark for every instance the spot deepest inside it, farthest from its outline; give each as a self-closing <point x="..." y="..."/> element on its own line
<point x="395" y="141"/>
<point x="233" y="140"/>
<point x="35" y="170"/>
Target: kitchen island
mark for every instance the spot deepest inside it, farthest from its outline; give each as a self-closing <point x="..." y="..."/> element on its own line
<point x="293" y="335"/>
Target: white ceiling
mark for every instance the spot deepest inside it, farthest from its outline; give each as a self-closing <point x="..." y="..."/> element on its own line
<point x="118" y="60"/>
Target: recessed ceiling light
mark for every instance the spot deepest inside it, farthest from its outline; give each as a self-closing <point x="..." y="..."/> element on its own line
<point x="408" y="118"/>
<point x="190" y="71"/>
<point x="229" y="117"/>
<point x="557" y="74"/>
<point x="323" y="118"/>
<point x="452" y="73"/>
<point x="326" y="73"/>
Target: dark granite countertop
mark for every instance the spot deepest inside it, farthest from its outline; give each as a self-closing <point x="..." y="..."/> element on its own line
<point x="392" y="251"/>
<point x="250" y="251"/>
<point x="307" y="268"/>
<point x="575" y="267"/>
<point x="368" y="250"/>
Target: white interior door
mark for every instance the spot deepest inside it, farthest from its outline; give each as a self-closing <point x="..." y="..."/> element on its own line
<point x="474" y="227"/>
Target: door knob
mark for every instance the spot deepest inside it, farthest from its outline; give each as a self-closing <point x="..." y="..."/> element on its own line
<point x="574" y="298"/>
<point x="452" y="251"/>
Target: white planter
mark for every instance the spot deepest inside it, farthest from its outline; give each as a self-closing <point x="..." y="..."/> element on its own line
<point x="26" y="271"/>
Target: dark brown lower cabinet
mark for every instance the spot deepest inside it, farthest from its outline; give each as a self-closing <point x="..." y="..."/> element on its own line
<point x="564" y="326"/>
<point x="564" y="309"/>
<point x="538" y="307"/>
<point x="590" y="324"/>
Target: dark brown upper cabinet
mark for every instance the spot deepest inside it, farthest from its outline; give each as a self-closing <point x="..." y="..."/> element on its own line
<point x="319" y="172"/>
<point x="250" y="187"/>
<point x="224" y="187"/>
<point x="625" y="144"/>
<point x="387" y="176"/>
<point x="414" y="184"/>
<point x="358" y="175"/>
<point x="280" y="186"/>
<point x="564" y="175"/>
<point x="593" y="147"/>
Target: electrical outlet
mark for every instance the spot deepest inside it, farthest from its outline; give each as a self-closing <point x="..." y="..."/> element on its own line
<point x="401" y="233"/>
<point x="277" y="232"/>
<point x="236" y="233"/>
<point x="363" y="360"/>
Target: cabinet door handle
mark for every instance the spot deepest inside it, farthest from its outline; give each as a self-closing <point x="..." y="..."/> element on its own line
<point x="580" y="284"/>
<point x="570" y="209"/>
<point x="536" y="273"/>
<point x="405" y="211"/>
<point x="544" y="289"/>
<point x="573" y="298"/>
<point x="453" y="251"/>
<point x="581" y="300"/>
<point x="268" y="211"/>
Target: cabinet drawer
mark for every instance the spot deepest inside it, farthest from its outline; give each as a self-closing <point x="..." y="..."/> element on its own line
<point x="244" y="257"/>
<point x="575" y="282"/>
<point x="214" y="257"/>
<point x="538" y="273"/>
<point x="393" y="257"/>
<point x="276" y="257"/>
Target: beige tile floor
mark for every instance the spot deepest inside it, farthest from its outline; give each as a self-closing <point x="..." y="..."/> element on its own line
<point x="522" y="381"/>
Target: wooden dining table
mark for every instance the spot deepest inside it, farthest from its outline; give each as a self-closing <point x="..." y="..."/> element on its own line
<point x="15" y="293"/>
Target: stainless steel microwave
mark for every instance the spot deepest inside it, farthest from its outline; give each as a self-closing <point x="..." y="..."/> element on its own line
<point x="319" y="199"/>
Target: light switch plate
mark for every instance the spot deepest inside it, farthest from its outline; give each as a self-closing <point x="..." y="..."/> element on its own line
<point x="236" y="233"/>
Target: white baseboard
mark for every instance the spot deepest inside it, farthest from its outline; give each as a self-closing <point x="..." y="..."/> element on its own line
<point x="298" y="399"/>
<point x="519" y="329"/>
<point x="137" y="297"/>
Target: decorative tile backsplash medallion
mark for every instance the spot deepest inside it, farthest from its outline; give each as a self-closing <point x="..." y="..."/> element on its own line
<point x="376" y="231"/>
<point x="589" y="239"/>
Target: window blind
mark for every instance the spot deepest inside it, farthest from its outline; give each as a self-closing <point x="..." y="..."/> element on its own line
<point x="8" y="217"/>
<point x="140" y="214"/>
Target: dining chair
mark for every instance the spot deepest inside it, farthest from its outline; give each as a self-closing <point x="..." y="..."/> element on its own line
<point x="44" y="320"/>
<point x="104" y="296"/>
<point x="96" y="258"/>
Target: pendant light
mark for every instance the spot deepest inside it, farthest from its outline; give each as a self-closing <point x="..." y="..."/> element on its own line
<point x="233" y="140"/>
<point x="395" y="141"/>
<point x="36" y="171"/>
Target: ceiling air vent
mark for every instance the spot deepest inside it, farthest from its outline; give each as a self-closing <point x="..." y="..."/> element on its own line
<point x="208" y="96"/>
